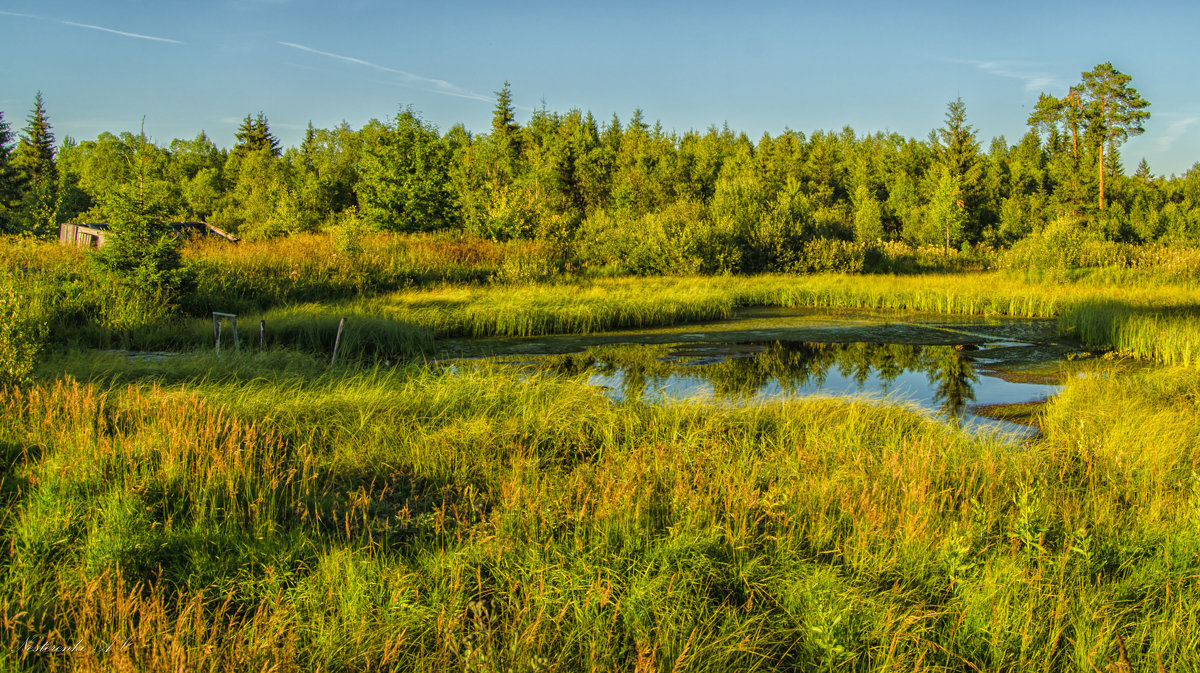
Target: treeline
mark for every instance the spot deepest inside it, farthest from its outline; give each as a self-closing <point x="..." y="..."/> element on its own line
<point x="629" y="193"/>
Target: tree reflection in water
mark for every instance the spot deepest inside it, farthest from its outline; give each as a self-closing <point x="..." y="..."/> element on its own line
<point x="954" y="378"/>
<point x="741" y="371"/>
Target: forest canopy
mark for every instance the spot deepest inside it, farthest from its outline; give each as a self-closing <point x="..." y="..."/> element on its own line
<point x="692" y="201"/>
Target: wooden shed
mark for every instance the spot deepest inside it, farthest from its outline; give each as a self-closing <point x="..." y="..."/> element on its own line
<point x="95" y="234"/>
<point x="92" y="235"/>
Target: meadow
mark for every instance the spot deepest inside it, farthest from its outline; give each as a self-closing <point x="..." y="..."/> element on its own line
<point x="263" y="510"/>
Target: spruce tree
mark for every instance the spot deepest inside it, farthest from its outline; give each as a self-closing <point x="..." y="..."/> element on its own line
<point x="254" y="135"/>
<point x="267" y="141"/>
<point x="309" y="148"/>
<point x="506" y="135"/>
<point x="958" y="152"/>
<point x="504" y="122"/>
<point x="10" y="181"/>
<point x="1143" y="171"/>
<point x="34" y="160"/>
<point x="35" y="153"/>
<point x="142" y="252"/>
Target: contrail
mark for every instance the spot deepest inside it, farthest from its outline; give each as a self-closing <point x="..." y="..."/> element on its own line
<point x="439" y="85"/>
<point x="121" y="32"/>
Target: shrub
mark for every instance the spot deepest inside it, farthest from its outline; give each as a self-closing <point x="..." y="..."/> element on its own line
<point x="675" y="241"/>
<point x="826" y="254"/>
<point x="21" y="336"/>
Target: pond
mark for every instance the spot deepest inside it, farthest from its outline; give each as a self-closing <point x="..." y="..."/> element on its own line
<point x="966" y="371"/>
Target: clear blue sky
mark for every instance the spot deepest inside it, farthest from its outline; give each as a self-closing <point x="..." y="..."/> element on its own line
<point x="194" y="65"/>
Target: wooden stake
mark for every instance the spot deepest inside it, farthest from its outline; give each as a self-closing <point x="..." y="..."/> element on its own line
<point x="217" y="315"/>
<point x="337" y="341"/>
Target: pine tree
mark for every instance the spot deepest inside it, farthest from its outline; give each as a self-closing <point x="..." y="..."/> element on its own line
<point x="1114" y="111"/>
<point x="254" y="135"/>
<point x="506" y="137"/>
<point x="958" y="152"/>
<point x="1059" y="120"/>
<point x="142" y="251"/>
<point x="34" y="160"/>
<point x="10" y="181"/>
<point x="504" y="122"/>
<point x="35" y="153"/>
<point x="308" y="148"/>
<point x="1143" y="171"/>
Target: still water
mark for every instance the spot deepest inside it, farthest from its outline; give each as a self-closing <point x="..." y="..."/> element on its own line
<point x="954" y="369"/>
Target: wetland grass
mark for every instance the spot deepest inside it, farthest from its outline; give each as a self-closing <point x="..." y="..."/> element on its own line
<point x="263" y="511"/>
<point x="404" y="291"/>
<point x="355" y="519"/>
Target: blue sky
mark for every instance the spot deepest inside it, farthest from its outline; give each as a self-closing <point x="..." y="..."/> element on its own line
<point x="761" y="67"/>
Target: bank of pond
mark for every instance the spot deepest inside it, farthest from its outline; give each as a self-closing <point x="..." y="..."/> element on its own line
<point x="762" y="488"/>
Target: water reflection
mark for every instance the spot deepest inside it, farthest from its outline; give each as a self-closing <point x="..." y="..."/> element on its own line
<point x="942" y="378"/>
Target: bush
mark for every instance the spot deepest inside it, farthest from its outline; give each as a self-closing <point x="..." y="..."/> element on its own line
<point x="826" y="254"/>
<point x="675" y="241"/>
<point x="1059" y="245"/>
<point x="1064" y="246"/>
<point x="21" y="336"/>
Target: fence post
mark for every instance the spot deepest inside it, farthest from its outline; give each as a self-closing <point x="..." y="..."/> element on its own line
<point x="216" y="316"/>
<point x="337" y="341"/>
<point x="262" y="335"/>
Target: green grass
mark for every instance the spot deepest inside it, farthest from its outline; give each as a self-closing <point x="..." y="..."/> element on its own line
<point x="1164" y="333"/>
<point x="403" y="322"/>
<point x="266" y="511"/>
<point x="243" y="512"/>
<point x="400" y="293"/>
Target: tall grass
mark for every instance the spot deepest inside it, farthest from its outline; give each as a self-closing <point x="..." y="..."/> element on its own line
<point x="1152" y="322"/>
<point x="598" y="305"/>
<point x="1168" y="334"/>
<point x="305" y="268"/>
<point x="396" y="292"/>
<point x="263" y="511"/>
<point x="479" y="521"/>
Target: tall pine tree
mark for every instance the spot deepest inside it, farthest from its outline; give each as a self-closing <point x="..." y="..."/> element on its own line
<point x="1114" y="112"/>
<point x="958" y="152"/>
<point x="34" y="160"/>
<point x="506" y="137"/>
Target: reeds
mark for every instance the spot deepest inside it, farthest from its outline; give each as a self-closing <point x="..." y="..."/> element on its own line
<point x="262" y="511"/>
<point x="1168" y="334"/>
<point x="477" y="520"/>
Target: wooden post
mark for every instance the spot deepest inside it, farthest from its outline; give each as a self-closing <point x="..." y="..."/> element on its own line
<point x="337" y="341"/>
<point x="262" y="335"/>
<point x="217" y="315"/>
